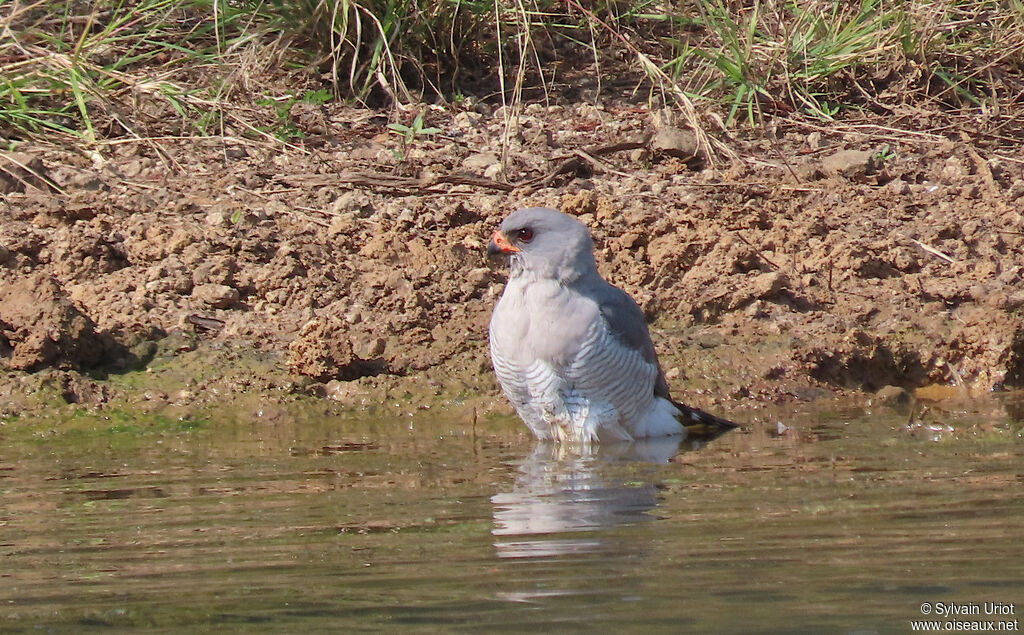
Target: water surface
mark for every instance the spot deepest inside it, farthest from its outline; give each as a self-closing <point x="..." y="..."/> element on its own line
<point x="844" y="521"/>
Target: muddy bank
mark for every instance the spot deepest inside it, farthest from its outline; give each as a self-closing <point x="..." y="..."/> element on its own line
<point x="825" y="260"/>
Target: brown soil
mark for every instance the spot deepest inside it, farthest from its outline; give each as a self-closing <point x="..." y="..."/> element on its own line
<point x="829" y="258"/>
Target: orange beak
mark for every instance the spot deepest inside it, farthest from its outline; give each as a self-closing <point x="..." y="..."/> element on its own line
<point x="500" y="245"/>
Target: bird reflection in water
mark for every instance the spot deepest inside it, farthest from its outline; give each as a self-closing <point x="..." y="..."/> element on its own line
<point x="558" y="490"/>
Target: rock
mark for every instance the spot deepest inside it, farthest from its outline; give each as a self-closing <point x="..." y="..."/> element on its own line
<point x="369" y="348"/>
<point x="849" y="163"/>
<point x="80" y="390"/>
<point x="356" y="202"/>
<point x="676" y="143"/>
<point x="891" y="396"/>
<point x="480" y="161"/>
<point x="346" y="392"/>
<point x="631" y="240"/>
<point x="466" y="120"/>
<point x="342" y="223"/>
<point x="218" y="271"/>
<point x="493" y="171"/>
<point x="219" y="296"/>
<point x="768" y="285"/>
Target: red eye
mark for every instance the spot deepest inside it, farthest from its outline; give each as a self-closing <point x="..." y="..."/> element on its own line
<point x="525" y="234"/>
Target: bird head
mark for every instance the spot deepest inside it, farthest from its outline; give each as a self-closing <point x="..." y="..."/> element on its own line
<point x="543" y="243"/>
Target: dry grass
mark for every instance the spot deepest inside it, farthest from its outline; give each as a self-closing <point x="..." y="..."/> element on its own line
<point x="94" y="71"/>
<point x="825" y="58"/>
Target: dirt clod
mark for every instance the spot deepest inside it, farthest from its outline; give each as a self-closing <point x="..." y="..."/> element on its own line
<point x="324" y="351"/>
<point x="219" y="296"/>
<point x="40" y="326"/>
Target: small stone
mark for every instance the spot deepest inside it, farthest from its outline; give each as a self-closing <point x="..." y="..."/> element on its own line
<point x="899" y="186"/>
<point x="478" y="277"/>
<point x="891" y="396"/>
<point x="675" y="142"/>
<point x="849" y="163"/>
<point x="216" y="219"/>
<point x="355" y="202"/>
<point x="370" y="348"/>
<point x="767" y="285"/>
<point x="355" y="316"/>
<point x="341" y="224"/>
<point x="467" y="119"/>
<point x="493" y="171"/>
<point x="219" y="296"/>
<point x="406" y="217"/>
<point x="346" y="392"/>
<point x="480" y="161"/>
<point x="630" y="240"/>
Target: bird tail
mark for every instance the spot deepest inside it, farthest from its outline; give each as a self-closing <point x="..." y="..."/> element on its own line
<point x="701" y="425"/>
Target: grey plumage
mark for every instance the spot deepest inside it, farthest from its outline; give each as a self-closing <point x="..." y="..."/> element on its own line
<point x="572" y="352"/>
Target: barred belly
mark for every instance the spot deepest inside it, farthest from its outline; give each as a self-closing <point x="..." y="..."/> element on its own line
<point x="606" y="371"/>
<point x="604" y="389"/>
